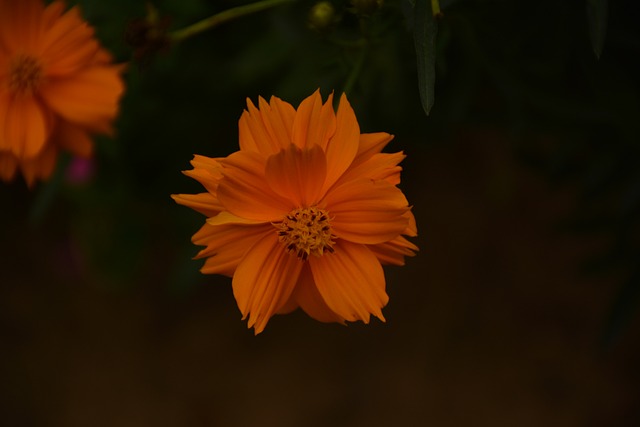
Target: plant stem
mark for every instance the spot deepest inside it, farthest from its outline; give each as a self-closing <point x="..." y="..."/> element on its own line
<point x="219" y="18"/>
<point x="355" y="71"/>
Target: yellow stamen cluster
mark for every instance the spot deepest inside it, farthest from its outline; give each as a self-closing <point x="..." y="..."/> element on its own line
<point x="25" y="74"/>
<point x="306" y="231"/>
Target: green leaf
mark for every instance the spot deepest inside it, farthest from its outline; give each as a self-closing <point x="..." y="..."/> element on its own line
<point x="424" y="37"/>
<point x="597" y="20"/>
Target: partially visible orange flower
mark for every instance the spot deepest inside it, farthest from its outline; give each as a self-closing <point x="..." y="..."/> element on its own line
<point x="57" y="87"/>
<point x="304" y="214"/>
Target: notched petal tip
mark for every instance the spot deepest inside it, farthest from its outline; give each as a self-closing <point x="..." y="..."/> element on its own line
<point x="351" y="282"/>
<point x="264" y="280"/>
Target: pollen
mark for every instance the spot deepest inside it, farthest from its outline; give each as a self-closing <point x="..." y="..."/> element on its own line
<point x="25" y="74"/>
<point x="306" y="231"/>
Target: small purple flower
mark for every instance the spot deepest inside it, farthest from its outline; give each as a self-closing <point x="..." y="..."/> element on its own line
<point x="80" y="170"/>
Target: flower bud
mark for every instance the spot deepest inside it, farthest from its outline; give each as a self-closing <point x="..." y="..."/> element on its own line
<point x="147" y="36"/>
<point x="321" y="16"/>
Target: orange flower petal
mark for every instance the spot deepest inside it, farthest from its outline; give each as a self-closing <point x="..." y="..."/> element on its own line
<point x="89" y="98"/>
<point x="73" y="138"/>
<point x="226" y="217"/>
<point x="284" y="112"/>
<point x="25" y="126"/>
<point x="21" y="24"/>
<point x="412" y="229"/>
<point x="297" y="174"/>
<point x="246" y="139"/>
<point x="351" y="282"/>
<point x="7" y="37"/>
<point x="207" y="171"/>
<point x="254" y="135"/>
<point x="204" y="203"/>
<point x="244" y="191"/>
<point x="267" y="130"/>
<point x="211" y="164"/>
<point x="41" y="166"/>
<point x="372" y="143"/>
<point x="102" y="57"/>
<point x="51" y="14"/>
<point x="264" y="281"/>
<point x="367" y="211"/>
<point x="381" y="166"/>
<point x="394" y="251"/>
<point x="289" y="306"/>
<point x="309" y="299"/>
<point x="314" y="123"/>
<point x="8" y="165"/>
<point x="277" y="121"/>
<point x="68" y="43"/>
<point x="226" y="245"/>
<point x="343" y="146"/>
<point x="5" y="144"/>
<point x="4" y="71"/>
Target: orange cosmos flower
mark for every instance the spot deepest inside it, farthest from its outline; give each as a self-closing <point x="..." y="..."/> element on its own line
<point x="304" y="214"/>
<point x="57" y="86"/>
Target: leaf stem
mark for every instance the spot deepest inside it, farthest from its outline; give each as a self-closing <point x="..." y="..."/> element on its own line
<point x="219" y="18"/>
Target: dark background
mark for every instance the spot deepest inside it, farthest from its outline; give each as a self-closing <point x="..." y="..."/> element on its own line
<point x="519" y="310"/>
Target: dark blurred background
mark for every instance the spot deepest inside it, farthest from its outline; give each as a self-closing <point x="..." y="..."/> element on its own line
<point x="521" y="309"/>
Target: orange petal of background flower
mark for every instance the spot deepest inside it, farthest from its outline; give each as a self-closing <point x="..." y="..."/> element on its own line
<point x="226" y="245"/>
<point x="73" y="138"/>
<point x="314" y="123"/>
<point x="367" y="211"/>
<point x="244" y="191"/>
<point x="51" y="14"/>
<point x="297" y="174"/>
<point x="21" y="24"/>
<point x="102" y="57"/>
<point x="25" y="126"/>
<point x="309" y="299"/>
<point x="89" y="98"/>
<point x="5" y="145"/>
<point x="68" y="44"/>
<point x="4" y="71"/>
<point x="351" y="281"/>
<point x="8" y="165"/>
<point x="264" y="280"/>
<point x="41" y="166"/>
<point x="343" y="145"/>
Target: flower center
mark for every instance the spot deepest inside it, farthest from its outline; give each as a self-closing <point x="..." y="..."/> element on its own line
<point x="306" y="231"/>
<point x="25" y="74"/>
